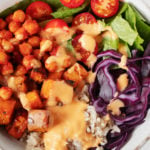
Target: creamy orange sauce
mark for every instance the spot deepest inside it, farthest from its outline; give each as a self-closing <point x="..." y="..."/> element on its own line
<point x="123" y="62"/>
<point x="115" y="106"/>
<point x="88" y="42"/>
<point x="91" y="29"/>
<point x="11" y="83"/>
<point x="69" y="123"/>
<point x="122" y="49"/>
<point x="109" y="33"/>
<point x="91" y="60"/>
<point x="60" y="57"/>
<point x="91" y="77"/>
<point x="122" y="82"/>
<point x="61" y="35"/>
<point x="60" y="92"/>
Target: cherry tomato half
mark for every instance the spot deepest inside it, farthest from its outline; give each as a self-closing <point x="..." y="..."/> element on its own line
<point x="57" y="23"/>
<point x="84" y="18"/>
<point x="39" y="10"/>
<point x="72" y="3"/>
<point x="105" y="8"/>
<point x="83" y="52"/>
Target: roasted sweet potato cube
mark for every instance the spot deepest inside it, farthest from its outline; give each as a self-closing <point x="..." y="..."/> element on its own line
<point x="55" y="92"/>
<point x="19" y="124"/>
<point x="55" y="75"/>
<point x="31" y="100"/>
<point x="75" y="74"/>
<point x="20" y="83"/>
<point x="47" y="85"/>
<point x="17" y="83"/>
<point x="6" y="111"/>
<point x="38" y="120"/>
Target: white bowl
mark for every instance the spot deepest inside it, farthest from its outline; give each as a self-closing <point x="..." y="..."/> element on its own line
<point x="141" y="135"/>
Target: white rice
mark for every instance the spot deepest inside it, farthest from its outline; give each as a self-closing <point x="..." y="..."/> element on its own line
<point x="34" y="141"/>
<point x="99" y="126"/>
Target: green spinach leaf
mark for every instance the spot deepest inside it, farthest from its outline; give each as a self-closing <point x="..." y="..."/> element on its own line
<point x="70" y="47"/>
<point x="64" y="12"/>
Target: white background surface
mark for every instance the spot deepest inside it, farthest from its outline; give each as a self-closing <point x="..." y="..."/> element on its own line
<point x="140" y="134"/>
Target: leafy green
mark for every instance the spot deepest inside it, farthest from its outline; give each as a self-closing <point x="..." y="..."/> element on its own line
<point x="24" y="4"/>
<point x="137" y="14"/>
<point x="109" y="43"/>
<point x="54" y="3"/>
<point x="70" y="48"/>
<point x="64" y="12"/>
<point x="138" y="43"/>
<point x="123" y="7"/>
<point x="144" y="30"/>
<point x="142" y="27"/>
<point x="124" y="31"/>
<point x="130" y="16"/>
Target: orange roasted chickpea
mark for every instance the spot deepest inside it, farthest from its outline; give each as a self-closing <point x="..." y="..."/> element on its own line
<point x="36" y="124"/>
<point x="19" y="124"/>
<point x="34" y="41"/>
<point x="14" y="26"/>
<point x="31" y="26"/>
<point x="36" y="53"/>
<point x="51" y="67"/>
<point x="67" y="62"/>
<point x="37" y="75"/>
<point x="45" y="46"/>
<point x="19" y="16"/>
<point x="2" y="24"/>
<point x="25" y="48"/>
<point x="14" y="41"/>
<point x="5" y="34"/>
<point x="6" y="111"/>
<point x="21" y="34"/>
<point x="20" y="70"/>
<point x="7" y="46"/>
<point x="5" y="93"/>
<point x="3" y="57"/>
<point x="7" y="69"/>
<point x="30" y="62"/>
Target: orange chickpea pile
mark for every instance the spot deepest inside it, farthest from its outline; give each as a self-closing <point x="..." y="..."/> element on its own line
<point x="26" y="73"/>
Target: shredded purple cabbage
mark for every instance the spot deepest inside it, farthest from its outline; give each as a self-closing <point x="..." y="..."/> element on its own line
<point x="135" y="96"/>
